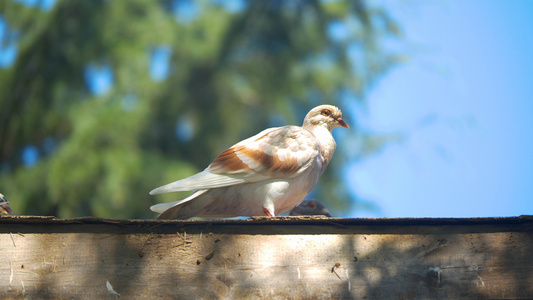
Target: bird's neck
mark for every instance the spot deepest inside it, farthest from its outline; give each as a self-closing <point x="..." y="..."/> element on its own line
<point x="326" y="142"/>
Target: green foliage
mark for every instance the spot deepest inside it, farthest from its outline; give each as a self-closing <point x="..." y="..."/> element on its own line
<point x="231" y="75"/>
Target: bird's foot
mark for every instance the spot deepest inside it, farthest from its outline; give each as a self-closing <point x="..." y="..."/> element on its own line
<point x="267" y="212"/>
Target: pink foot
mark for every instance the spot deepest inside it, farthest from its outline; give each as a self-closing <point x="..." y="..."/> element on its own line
<point x="267" y="212"/>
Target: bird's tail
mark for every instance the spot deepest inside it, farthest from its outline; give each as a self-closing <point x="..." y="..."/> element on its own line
<point x="194" y="205"/>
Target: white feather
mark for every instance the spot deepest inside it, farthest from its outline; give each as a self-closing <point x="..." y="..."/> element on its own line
<point x="161" y="207"/>
<point x="206" y="180"/>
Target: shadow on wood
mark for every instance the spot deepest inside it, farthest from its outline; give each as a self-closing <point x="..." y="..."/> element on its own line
<point x="287" y="257"/>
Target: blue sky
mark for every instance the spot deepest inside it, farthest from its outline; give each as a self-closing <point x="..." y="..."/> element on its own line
<point x="465" y="101"/>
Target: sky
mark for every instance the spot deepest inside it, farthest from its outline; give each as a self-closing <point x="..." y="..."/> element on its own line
<point x="464" y="101"/>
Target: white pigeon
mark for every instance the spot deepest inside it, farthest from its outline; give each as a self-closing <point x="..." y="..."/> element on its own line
<point x="267" y="174"/>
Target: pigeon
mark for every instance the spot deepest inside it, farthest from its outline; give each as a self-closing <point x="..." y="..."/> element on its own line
<point x="310" y="208"/>
<point x="4" y="206"/>
<point x="267" y="174"/>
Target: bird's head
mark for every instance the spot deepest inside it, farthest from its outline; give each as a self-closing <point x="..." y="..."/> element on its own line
<point x="325" y="115"/>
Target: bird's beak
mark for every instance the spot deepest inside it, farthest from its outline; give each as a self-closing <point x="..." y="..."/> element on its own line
<point x="342" y="123"/>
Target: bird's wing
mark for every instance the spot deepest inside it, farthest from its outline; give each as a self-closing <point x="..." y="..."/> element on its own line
<point x="282" y="152"/>
<point x="201" y="181"/>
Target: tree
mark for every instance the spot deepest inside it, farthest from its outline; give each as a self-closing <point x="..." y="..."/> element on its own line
<point x="71" y="147"/>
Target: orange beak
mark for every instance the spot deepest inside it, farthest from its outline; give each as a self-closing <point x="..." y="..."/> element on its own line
<point x="342" y="123"/>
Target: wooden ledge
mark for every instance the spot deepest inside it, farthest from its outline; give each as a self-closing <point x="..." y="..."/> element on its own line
<point x="271" y="258"/>
<point x="266" y="225"/>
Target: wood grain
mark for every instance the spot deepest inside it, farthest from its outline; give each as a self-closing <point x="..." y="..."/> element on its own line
<point x="278" y="258"/>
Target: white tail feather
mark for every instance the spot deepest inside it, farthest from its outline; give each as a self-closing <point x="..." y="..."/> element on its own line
<point x="194" y="205"/>
<point x="201" y="181"/>
<point x="161" y="207"/>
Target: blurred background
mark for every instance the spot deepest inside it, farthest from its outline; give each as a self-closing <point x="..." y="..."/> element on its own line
<point x="102" y="101"/>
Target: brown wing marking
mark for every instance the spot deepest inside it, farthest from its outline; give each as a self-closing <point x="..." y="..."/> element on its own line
<point x="228" y="161"/>
<point x="270" y="163"/>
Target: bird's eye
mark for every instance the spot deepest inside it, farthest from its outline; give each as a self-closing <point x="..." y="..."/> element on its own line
<point x="326" y="112"/>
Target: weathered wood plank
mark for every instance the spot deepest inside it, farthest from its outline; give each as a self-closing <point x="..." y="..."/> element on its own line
<point x="280" y="258"/>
